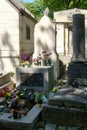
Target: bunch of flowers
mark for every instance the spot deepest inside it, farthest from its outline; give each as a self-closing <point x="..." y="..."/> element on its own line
<point x="25" y="60"/>
<point x="45" y="56"/>
<point x="36" y="61"/>
<point x="25" y="57"/>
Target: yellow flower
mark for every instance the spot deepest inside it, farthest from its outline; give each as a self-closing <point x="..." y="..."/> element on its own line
<point x="8" y="94"/>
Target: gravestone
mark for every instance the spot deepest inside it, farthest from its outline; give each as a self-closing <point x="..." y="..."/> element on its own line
<point x="24" y="123"/>
<point x="44" y="39"/>
<point x="67" y="107"/>
<point x="36" y="78"/>
<point x="78" y="65"/>
<point x="78" y="38"/>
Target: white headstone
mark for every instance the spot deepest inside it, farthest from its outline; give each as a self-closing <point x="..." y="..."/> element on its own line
<point x="44" y="39"/>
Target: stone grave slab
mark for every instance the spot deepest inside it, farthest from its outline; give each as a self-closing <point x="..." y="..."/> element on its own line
<point x="70" y="97"/>
<point x="37" y="78"/>
<point x="24" y="123"/>
<point x="64" y="116"/>
<point x="68" y="107"/>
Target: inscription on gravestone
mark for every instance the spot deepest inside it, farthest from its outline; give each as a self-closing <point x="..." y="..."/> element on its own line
<point x="37" y="78"/>
<point x="32" y="79"/>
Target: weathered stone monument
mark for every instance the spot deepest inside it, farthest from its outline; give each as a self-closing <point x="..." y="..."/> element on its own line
<point x="78" y="38"/>
<point x="78" y="65"/>
<point x="67" y="107"/>
<point x="40" y="76"/>
<point x="44" y="40"/>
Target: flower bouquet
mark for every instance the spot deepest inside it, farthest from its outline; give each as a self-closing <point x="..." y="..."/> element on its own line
<point x="45" y="58"/>
<point x="25" y="60"/>
<point x="36" y="61"/>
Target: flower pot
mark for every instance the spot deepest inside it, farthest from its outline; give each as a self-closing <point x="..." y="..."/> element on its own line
<point x="49" y="62"/>
<point x="39" y="105"/>
<point x="43" y="63"/>
<point x="15" y="114"/>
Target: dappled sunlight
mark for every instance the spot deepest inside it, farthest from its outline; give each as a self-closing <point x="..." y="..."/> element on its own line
<point x="7" y="50"/>
<point x="44" y="40"/>
<point x="1" y="62"/>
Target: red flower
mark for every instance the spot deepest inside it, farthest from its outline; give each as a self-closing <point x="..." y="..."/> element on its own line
<point x="6" y="89"/>
<point x="25" y="113"/>
<point x="1" y="94"/>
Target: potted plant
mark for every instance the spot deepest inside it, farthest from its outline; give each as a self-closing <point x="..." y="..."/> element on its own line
<point x="39" y="99"/>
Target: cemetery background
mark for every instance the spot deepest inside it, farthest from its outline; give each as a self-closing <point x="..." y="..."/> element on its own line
<point x="10" y="94"/>
<point x="10" y="59"/>
<point x="16" y="34"/>
<point x="48" y="126"/>
<point x="51" y="102"/>
<point x="63" y="23"/>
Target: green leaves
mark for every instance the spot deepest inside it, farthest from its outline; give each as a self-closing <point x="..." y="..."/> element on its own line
<point x="38" y="6"/>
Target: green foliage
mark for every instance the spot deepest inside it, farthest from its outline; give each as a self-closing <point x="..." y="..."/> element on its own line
<point x="11" y="74"/>
<point x="83" y="4"/>
<point x="75" y="4"/>
<point x="33" y="9"/>
<point x="38" y="6"/>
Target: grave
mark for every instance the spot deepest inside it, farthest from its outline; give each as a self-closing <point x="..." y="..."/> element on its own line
<point x="44" y="41"/>
<point x="30" y="79"/>
<point x="67" y="107"/>
<point x="24" y="123"/>
<point x="6" y="115"/>
<point x="78" y="65"/>
<point x="16" y="111"/>
<point x="36" y="78"/>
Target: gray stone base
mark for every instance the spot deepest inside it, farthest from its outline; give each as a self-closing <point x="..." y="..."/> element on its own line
<point x="64" y="116"/>
<point x="24" y="123"/>
<point x="77" y="70"/>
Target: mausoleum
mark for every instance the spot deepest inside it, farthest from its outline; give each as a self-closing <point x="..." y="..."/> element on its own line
<point x="63" y="24"/>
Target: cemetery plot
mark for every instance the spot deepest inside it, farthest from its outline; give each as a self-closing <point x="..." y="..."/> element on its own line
<point x="68" y="107"/>
<point x="18" y="109"/>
